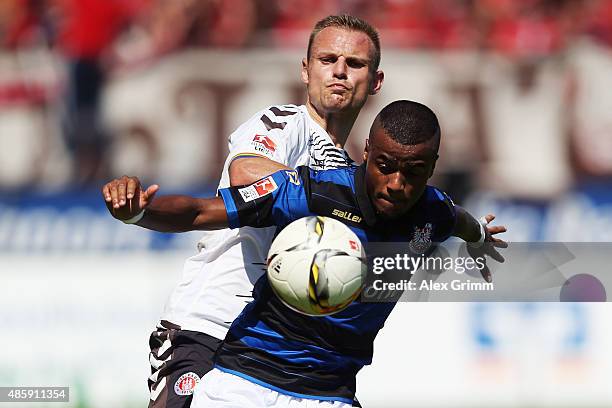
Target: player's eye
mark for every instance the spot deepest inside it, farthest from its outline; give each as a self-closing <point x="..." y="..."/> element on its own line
<point x="385" y="167"/>
<point x="355" y="64"/>
<point x="414" y="171"/>
<point x="327" y="60"/>
<point x="417" y="171"/>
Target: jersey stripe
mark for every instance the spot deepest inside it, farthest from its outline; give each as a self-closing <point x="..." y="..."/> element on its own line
<point x="230" y="208"/>
<point x="279" y="112"/>
<point x="246" y="156"/>
<point x="272" y="125"/>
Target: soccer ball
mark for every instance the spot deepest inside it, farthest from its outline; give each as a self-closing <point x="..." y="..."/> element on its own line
<point x="316" y="266"/>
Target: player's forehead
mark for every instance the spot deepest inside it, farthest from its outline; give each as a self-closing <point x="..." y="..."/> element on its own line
<point x="342" y="41"/>
<point x="386" y="148"/>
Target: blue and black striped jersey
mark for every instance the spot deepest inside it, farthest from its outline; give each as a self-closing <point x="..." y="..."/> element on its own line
<point x="305" y="356"/>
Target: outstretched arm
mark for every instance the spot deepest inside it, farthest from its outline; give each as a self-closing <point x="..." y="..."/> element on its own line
<point x="127" y="202"/>
<point x="178" y="213"/>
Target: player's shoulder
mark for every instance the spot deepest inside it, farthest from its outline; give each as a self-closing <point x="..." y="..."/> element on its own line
<point x="281" y="117"/>
<point x="272" y="129"/>
<point x="436" y="209"/>
<point x="438" y="200"/>
<point x="282" y="111"/>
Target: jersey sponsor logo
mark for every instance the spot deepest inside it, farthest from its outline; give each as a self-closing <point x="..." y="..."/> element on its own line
<point x="259" y="189"/>
<point x="186" y="383"/>
<point x="421" y="239"/>
<point x="346" y="215"/>
<point x="263" y="144"/>
<point x="293" y="177"/>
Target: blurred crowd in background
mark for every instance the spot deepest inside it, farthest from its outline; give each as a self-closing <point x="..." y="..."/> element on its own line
<point x="87" y="28"/>
<point x="522" y="87"/>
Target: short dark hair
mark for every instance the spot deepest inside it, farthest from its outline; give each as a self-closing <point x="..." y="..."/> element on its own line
<point x="348" y="22"/>
<point x="409" y="123"/>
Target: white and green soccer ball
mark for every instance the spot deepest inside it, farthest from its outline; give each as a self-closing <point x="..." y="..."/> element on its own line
<point x="316" y="266"/>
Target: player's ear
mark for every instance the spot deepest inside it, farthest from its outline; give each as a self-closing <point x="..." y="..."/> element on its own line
<point x="365" y="151"/>
<point x="377" y="81"/>
<point x="305" y="70"/>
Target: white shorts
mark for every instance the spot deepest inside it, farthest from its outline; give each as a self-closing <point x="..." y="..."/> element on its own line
<point x="220" y="389"/>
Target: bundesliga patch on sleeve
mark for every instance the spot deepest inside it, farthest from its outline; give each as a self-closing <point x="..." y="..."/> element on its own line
<point x="259" y="189"/>
<point x="264" y="145"/>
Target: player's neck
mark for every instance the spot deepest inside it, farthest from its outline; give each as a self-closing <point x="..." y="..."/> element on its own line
<point x="337" y="125"/>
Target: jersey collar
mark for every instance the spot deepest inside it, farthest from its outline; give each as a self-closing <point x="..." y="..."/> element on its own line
<point x="363" y="200"/>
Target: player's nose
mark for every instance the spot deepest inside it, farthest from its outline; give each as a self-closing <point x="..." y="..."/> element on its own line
<point x="340" y="68"/>
<point x="396" y="184"/>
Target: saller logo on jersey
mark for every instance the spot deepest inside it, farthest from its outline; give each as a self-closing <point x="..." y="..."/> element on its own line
<point x="186" y="383"/>
<point x="259" y="189"/>
<point x="347" y="215"/>
<point x="263" y="144"/>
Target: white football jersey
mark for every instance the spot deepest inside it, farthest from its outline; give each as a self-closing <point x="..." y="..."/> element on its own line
<point x="218" y="281"/>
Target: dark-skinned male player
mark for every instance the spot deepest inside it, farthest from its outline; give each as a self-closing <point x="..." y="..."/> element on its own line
<point x="273" y="356"/>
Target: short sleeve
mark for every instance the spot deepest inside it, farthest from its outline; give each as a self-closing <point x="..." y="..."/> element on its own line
<point x="277" y="199"/>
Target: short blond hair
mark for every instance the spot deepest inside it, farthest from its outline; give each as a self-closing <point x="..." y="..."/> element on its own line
<point x="349" y="23"/>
